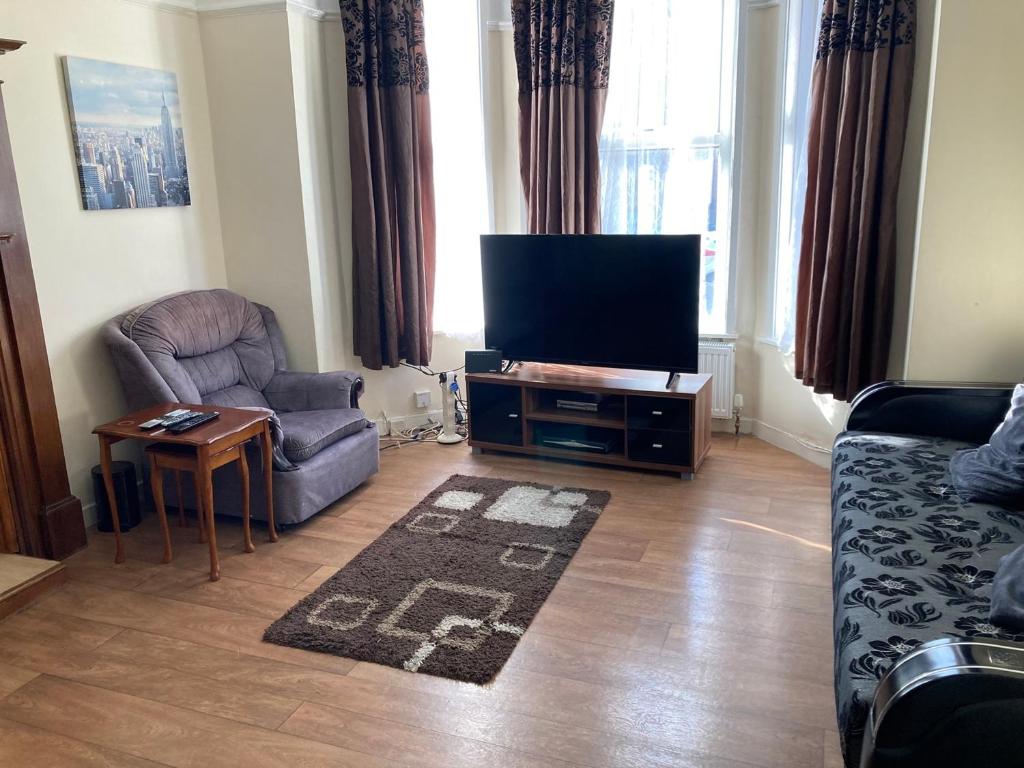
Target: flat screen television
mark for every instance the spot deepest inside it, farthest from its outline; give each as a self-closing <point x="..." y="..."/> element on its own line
<point x="620" y="301"/>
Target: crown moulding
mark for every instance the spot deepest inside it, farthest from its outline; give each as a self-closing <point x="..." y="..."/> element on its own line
<point x="317" y="9"/>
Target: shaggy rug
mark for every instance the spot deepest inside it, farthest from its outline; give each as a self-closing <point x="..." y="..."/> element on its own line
<point x="449" y="588"/>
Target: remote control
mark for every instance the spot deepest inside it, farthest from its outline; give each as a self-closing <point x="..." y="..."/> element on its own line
<point x="192" y="421"/>
<point x="151" y="424"/>
<point x="174" y="417"/>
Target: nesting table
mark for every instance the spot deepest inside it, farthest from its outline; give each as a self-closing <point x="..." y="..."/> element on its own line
<point x="200" y="451"/>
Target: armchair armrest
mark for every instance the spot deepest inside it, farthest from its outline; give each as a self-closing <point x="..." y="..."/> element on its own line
<point x="953" y="701"/>
<point x="967" y="412"/>
<point x="295" y="391"/>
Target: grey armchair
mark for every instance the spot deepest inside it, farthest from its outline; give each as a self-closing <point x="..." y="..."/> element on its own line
<point x="218" y="348"/>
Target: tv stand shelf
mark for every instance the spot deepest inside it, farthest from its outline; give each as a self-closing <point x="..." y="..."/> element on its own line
<point x="638" y="423"/>
<point x="568" y="416"/>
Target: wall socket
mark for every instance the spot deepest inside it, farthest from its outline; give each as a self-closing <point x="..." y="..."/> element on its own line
<point x="422" y="398"/>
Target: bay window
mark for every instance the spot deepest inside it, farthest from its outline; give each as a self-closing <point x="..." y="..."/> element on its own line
<point x="666" y="146"/>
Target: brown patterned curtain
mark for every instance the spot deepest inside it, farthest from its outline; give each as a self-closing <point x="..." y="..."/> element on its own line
<point x="392" y="181"/>
<point x="562" y="49"/>
<point x="859" y="104"/>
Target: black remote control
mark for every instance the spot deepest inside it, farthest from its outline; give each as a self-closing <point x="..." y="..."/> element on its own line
<point x="192" y="422"/>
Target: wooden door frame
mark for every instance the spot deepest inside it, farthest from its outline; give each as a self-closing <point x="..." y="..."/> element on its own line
<point x="48" y="517"/>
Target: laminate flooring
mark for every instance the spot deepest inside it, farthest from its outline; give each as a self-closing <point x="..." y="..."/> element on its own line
<point x="692" y="628"/>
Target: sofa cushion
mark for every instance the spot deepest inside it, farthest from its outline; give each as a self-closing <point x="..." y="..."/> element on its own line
<point x="911" y="561"/>
<point x="306" y="433"/>
<point x="995" y="471"/>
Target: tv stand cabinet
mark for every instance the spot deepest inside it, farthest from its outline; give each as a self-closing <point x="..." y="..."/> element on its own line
<point x="629" y="418"/>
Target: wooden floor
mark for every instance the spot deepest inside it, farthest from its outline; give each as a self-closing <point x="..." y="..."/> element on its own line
<point x="691" y="629"/>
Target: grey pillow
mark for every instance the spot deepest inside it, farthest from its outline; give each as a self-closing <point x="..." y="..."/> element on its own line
<point x="1007" y="608"/>
<point x="994" y="473"/>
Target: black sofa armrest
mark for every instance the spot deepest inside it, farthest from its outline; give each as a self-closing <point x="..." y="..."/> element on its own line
<point x="967" y="412"/>
<point x="950" y="702"/>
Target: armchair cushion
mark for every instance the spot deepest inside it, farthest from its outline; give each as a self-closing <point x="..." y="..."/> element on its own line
<point x="306" y="433"/>
<point x="202" y="342"/>
<point x="295" y="391"/>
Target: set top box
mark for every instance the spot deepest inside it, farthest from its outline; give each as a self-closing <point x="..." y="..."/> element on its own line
<point x="483" y="361"/>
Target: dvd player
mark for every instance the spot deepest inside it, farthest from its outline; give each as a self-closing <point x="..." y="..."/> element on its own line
<point x="576" y="405"/>
<point x="574" y="444"/>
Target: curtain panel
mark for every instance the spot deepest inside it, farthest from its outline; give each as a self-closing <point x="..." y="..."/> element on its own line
<point x="860" y="98"/>
<point x="562" y="50"/>
<point x="392" y="181"/>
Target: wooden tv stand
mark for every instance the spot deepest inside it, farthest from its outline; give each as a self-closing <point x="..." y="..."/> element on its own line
<point x="638" y="423"/>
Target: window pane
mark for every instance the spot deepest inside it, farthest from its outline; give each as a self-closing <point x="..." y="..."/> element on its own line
<point x="460" y="187"/>
<point x="801" y="39"/>
<point x="663" y="148"/>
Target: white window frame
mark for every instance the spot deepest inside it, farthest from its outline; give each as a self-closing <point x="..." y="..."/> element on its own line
<point x="730" y="107"/>
<point x="796" y="37"/>
<point x="495" y="15"/>
<point x="727" y="142"/>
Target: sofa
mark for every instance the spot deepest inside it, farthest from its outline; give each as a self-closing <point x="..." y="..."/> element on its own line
<point x="215" y="347"/>
<point x="922" y="677"/>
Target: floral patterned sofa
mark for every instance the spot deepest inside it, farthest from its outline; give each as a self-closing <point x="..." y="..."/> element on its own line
<point x="912" y="561"/>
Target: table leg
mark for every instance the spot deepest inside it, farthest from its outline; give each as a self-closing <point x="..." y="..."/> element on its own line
<point x="156" y="479"/>
<point x="200" y="520"/>
<point x="268" y="478"/>
<point x="108" y="482"/>
<point x="182" y="520"/>
<point x="243" y="476"/>
<point x="204" y="483"/>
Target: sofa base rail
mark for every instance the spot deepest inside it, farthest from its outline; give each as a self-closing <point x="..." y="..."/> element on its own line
<point x="951" y="703"/>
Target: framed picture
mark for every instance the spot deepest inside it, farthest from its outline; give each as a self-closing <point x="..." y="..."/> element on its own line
<point x="126" y="128"/>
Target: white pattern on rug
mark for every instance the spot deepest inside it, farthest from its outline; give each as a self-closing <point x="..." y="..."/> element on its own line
<point x="536" y="506"/>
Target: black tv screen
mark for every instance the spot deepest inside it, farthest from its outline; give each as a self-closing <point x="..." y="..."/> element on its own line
<point x="622" y="301"/>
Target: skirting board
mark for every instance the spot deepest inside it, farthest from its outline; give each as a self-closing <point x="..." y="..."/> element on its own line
<point x="780" y="438"/>
<point x="787" y="441"/>
<point x="398" y="423"/>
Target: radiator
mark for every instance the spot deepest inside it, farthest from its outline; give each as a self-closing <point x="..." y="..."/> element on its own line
<point x="719" y="359"/>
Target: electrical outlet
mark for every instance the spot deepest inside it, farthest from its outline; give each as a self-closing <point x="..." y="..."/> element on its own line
<point x="422" y="398"/>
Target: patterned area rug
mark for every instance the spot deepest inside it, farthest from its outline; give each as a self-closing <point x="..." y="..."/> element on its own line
<point x="450" y="588"/>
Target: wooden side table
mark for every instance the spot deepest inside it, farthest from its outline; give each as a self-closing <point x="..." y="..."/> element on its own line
<point x="201" y="450"/>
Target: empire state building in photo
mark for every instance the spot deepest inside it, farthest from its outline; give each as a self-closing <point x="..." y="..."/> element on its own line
<point x="171" y="169"/>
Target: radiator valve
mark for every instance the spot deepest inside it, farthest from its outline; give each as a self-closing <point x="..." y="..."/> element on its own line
<point x="737" y="409"/>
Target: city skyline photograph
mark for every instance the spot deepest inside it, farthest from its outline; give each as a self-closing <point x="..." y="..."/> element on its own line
<point x="128" y="140"/>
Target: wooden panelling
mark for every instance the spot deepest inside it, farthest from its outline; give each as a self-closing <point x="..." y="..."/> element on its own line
<point x="46" y="518"/>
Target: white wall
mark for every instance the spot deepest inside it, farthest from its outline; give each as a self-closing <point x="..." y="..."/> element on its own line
<point x="279" y="111"/>
<point x="252" y="111"/>
<point x="966" y="310"/>
<point x="777" y="407"/>
<point x="92" y="265"/>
